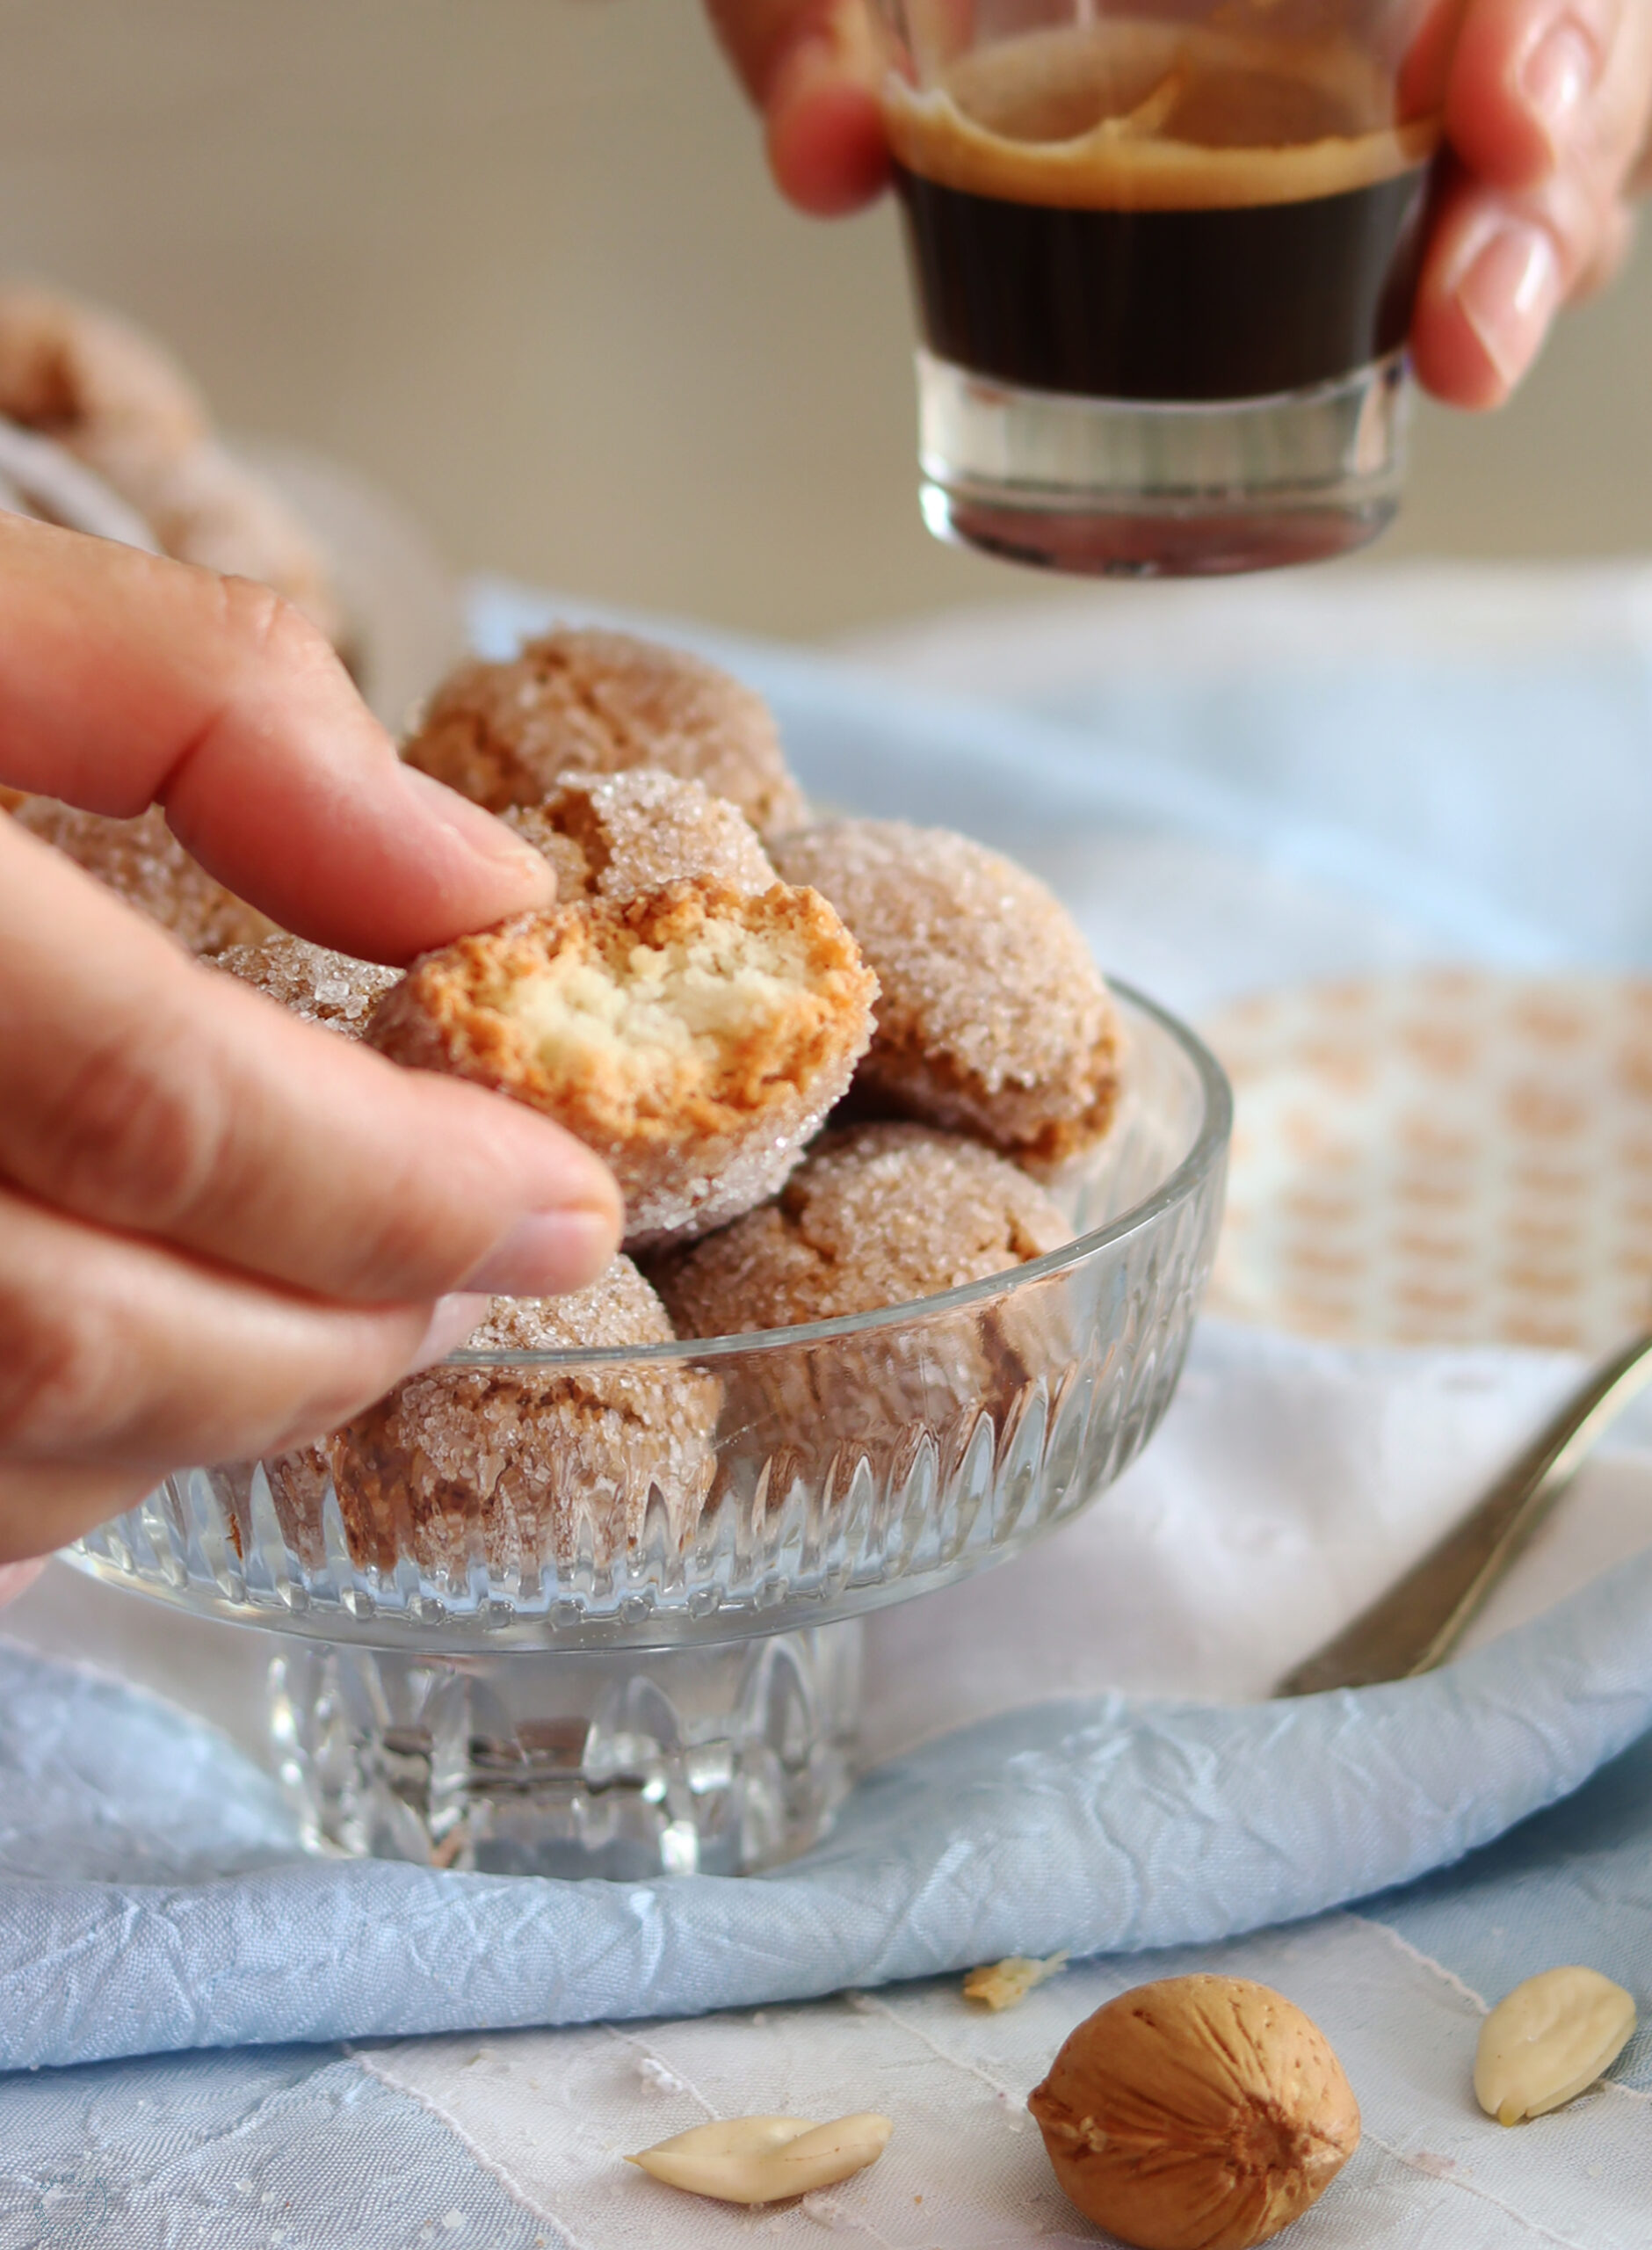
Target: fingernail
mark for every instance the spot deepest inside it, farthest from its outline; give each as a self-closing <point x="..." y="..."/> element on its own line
<point x="1558" y="74"/>
<point x="481" y="833"/>
<point x="452" y="1320"/>
<point x="1508" y="293"/>
<point x="547" y="1252"/>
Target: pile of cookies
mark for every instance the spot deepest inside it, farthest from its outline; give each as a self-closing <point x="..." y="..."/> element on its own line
<point x="102" y="430"/>
<point x="833" y="1066"/>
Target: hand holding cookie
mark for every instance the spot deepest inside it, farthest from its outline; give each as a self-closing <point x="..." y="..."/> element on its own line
<point x="222" y="1230"/>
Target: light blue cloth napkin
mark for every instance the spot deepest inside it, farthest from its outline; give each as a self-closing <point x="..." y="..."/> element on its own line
<point x="153" y="1896"/>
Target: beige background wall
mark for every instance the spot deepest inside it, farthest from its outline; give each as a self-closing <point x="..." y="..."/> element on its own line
<point x="518" y="261"/>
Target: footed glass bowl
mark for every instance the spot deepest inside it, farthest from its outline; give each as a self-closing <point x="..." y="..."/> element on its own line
<point x="509" y="1681"/>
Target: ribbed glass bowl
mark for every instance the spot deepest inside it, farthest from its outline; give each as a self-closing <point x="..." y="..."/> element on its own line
<point x="835" y="1468"/>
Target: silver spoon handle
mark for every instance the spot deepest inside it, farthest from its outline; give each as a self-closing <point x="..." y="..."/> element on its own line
<point x="1421" y="1618"/>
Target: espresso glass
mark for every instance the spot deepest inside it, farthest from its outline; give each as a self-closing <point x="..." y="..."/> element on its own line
<point x="1164" y="254"/>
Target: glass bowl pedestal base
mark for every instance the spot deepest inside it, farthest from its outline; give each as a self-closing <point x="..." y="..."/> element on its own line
<point x="711" y="1760"/>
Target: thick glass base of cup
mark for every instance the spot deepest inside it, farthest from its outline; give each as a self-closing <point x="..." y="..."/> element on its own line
<point x="715" y="1760"/>
<point x="1123" y="487"/>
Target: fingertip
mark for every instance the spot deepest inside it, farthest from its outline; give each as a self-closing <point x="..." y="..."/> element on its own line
<point x="498" y="1160"/>
<point x="393" y="864"/>
<point x="1450" y="363"/>
<point x="1523" y="79"/>
<point x="506" y="862"/>
<point x="1491" y="290"/>
<point x="550" y="1253"/>
<point x="825" y="141"/>
<point x="295" y="798"/>
<point x="452" y="1319"/>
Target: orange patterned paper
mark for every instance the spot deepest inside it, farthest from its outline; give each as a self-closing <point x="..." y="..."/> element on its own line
<point x="1453" y="1157"/>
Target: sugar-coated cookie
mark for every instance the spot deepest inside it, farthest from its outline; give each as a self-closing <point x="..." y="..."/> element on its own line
<point x="992" y="1016"/>
<point x="590" y="701"/>
<point x="876" y="1215"/>
<point x="143" y="863"/>
<point x="614" y="836"/>
<point x="317" y="985"/>
<point x="517" y="1466"/>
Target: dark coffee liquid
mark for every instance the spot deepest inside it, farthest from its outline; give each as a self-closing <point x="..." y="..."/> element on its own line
<point x="1136" y="212"/>
<point x="1173" y="305"/>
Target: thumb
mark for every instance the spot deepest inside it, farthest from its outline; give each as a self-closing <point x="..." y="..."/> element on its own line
<point x="812" y="68"/>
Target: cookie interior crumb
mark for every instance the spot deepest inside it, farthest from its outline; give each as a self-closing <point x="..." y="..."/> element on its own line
<point x="666" y="1013"/>
<point x="694" y="1037"/>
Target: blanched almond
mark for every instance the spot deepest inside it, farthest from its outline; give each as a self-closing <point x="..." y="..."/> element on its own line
<point x="764" y="2159"/>
<point x="1548" y="2040"/>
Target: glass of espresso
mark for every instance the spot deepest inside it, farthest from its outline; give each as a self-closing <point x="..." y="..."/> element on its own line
<point x="1164" y="254"/>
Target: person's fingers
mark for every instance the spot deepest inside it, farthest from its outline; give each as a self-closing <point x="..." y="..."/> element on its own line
<point x="147" y="1091"/>
<point x="15" y="1578"/>
<point x="1540" y="86"/>
<point x="1524" y="74"/>
<point x="1546" y="111"/>
<point x="44" y="1504"/>
<point x="812" y="68"/>
<point x="125" y="679"/>
<point x="1497" y="269"/>
<point x="824" y="129"/>
<point x="116" y="1352"/>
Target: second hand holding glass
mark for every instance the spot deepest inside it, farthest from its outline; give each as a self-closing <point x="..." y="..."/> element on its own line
<point x="1164" y="259"/>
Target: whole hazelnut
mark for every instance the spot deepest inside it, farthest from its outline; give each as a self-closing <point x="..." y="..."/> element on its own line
<point x="1202" y="2113"/>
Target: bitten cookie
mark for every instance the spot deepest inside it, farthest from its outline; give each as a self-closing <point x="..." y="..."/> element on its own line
<point x="589" y="701"/>
<point x="694" y="1037"/>
<point x="520" y="1467"/>
<point x="876" y="1215"/>
<point x="317" y="985"/>
<point x="614" y="836"/>
<point x="992" y="1018"/>
<point x="143" y="863"/>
